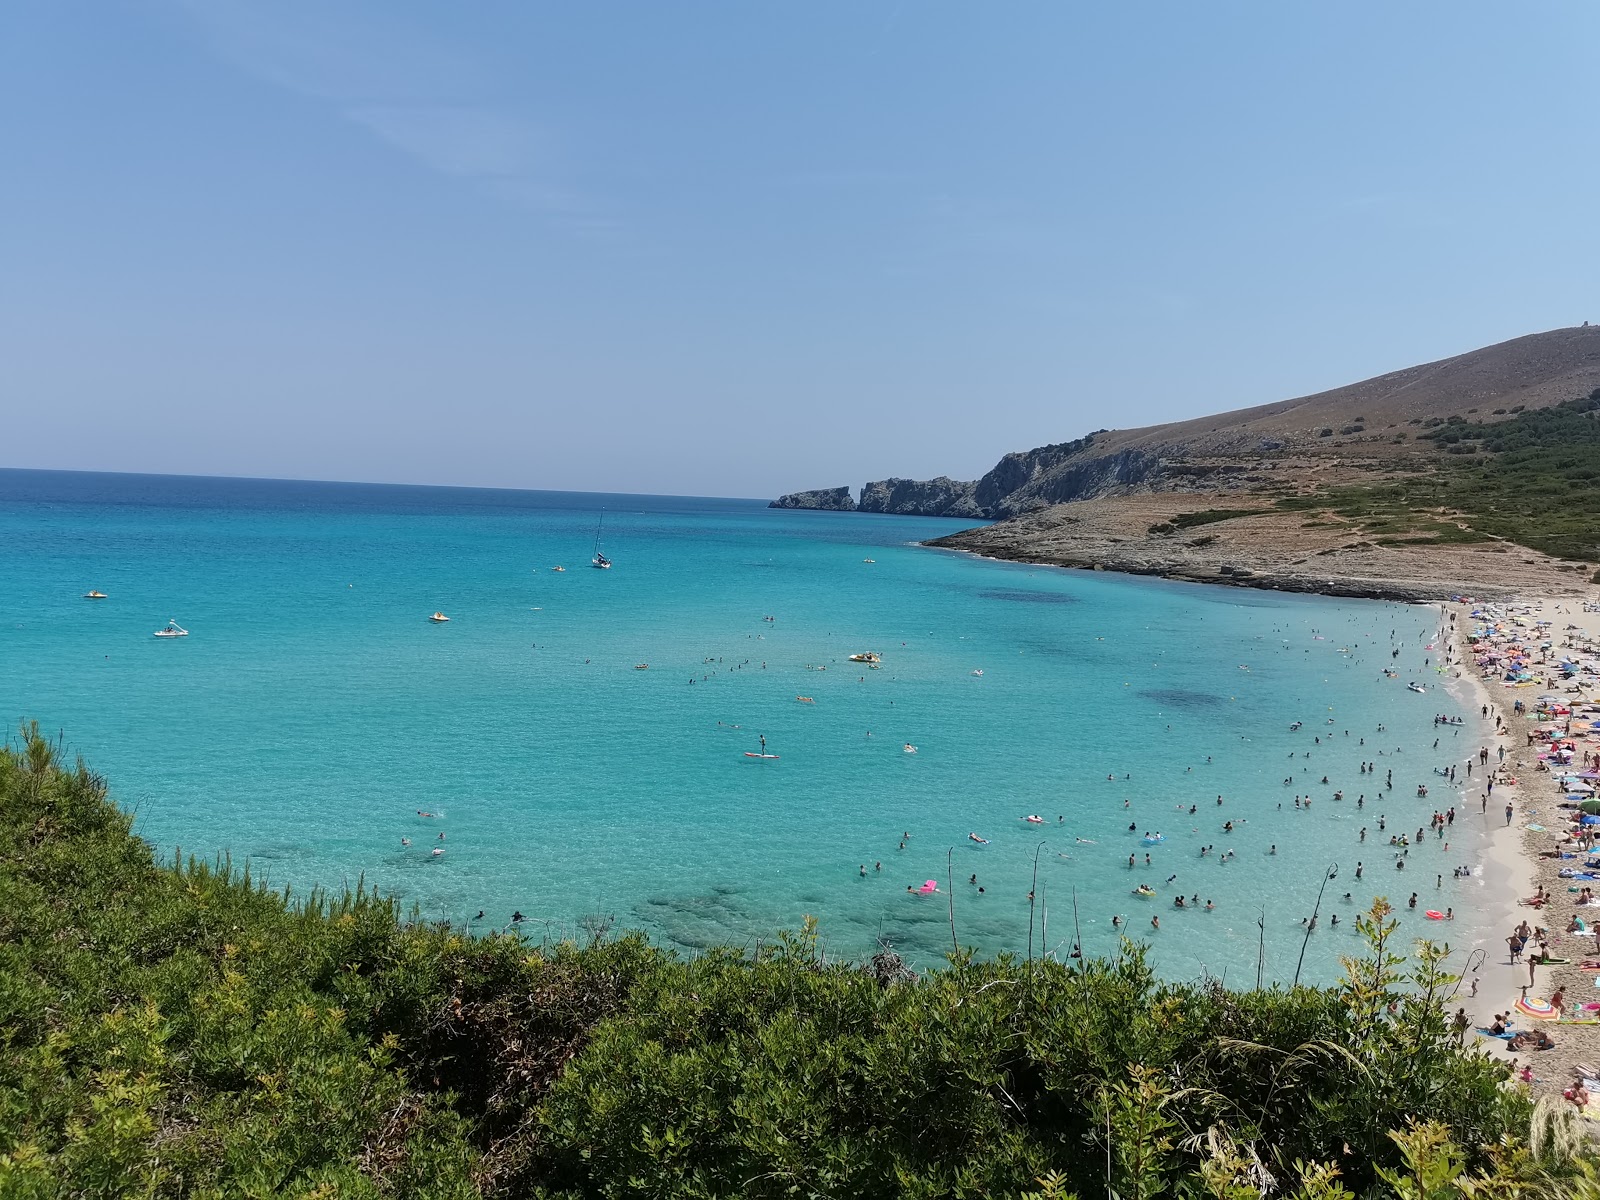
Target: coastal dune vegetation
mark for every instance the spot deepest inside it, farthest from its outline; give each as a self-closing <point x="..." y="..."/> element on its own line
<point x="183" y="1028"/>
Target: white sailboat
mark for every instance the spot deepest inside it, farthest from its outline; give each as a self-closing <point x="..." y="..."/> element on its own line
<point x="600" y="560"/>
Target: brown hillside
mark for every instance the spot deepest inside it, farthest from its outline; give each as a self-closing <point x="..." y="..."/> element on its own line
<point x="1335" y="492"/>
<point x="1533" y="371"/>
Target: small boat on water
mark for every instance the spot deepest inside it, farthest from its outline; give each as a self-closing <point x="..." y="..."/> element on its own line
<point x="599" y="560"/>
<point x="1144" y="890"/>
<point x="93" y="595"/>
<point x="979" y="671"/>
<point x="438" y="618"/>
<point x="172" y="630"/>
<point x="868" y="657"/>
<point x="641" y="666"/>
<point x="1416" y="687"/>
<point x="558" y="568"/>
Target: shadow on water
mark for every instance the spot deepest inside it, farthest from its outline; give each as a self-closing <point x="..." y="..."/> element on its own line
<point x="1182" y="698"/>
<point x="700" y="920"/>
<point x="1024" y="596"/>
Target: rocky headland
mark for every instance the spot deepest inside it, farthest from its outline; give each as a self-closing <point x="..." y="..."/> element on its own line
<point x="826" y="499"/>
<point x="1136" y="500"/>
<point x="1267" y="548"/>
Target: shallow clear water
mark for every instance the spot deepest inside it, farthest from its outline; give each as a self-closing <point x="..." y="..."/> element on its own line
<point x="314" y="709"/>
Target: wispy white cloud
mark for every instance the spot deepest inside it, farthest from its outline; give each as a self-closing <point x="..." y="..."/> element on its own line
<point x="408" y="89"/>
<point x="454" y="139"/>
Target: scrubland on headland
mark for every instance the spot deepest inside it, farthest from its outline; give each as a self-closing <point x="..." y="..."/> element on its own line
<point x="1473" y="475"/>
<point x="182" y="1029"/>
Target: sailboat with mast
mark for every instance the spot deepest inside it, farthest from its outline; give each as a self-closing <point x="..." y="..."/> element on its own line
<point x="600" y="560"/>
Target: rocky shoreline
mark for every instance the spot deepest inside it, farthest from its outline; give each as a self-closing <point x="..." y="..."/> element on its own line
<point x="1266" y="549"/>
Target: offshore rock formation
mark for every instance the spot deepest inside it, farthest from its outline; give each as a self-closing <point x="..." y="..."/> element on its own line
<point x="829" y="499"/>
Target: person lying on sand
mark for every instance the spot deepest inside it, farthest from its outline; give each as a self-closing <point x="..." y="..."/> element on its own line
<point x="1532" y="1039"/>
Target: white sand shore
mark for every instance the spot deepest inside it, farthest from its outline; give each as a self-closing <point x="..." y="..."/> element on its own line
<point x="1513" y="865"/>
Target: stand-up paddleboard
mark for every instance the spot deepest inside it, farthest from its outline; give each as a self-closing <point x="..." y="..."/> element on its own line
<point x="753" y="754"/>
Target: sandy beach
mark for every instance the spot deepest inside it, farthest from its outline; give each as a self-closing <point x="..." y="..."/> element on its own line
<point x="1518" y="855"/>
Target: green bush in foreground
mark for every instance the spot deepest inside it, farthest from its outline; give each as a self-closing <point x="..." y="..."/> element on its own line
<point x="180" y="1031"/>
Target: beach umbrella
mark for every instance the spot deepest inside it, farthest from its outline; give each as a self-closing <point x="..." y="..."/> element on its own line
<point x="1591" y="819"/>
<point x="1539" y="1010"/>
<point x="1590" y="806"/>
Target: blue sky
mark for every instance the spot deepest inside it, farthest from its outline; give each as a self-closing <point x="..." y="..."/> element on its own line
<point x="741" y="248"/>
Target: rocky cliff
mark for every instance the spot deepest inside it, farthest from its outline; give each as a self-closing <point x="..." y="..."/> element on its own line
<point x="941" y="497"/>
<point x="829" y="499"/>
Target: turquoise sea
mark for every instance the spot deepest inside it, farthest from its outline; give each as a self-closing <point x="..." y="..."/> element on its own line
<point x="314" y="710"/>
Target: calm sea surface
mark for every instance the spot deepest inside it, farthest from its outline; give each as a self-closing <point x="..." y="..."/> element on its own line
<point x="314" y="710"/>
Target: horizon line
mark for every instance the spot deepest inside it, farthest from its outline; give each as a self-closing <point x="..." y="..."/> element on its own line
<point x="460" y="487"/>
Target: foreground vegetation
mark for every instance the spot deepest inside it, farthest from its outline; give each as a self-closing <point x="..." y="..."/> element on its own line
<point x="181" y="1031"/>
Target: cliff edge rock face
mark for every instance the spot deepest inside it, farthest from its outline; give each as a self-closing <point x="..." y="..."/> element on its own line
<point x="941" y="497"/>
<point x="828" y="499"/>
<point x="1021" y="482"/>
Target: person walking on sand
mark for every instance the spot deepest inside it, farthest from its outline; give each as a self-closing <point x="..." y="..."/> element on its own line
<point x="1509" y="811"/>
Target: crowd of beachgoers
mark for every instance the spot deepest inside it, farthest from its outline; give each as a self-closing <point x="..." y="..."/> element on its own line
<point x="1537" y="664"/>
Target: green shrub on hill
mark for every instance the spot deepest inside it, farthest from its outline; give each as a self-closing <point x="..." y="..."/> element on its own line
<point x="182" y="1031"/>
<point x="1533" y="480"/>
